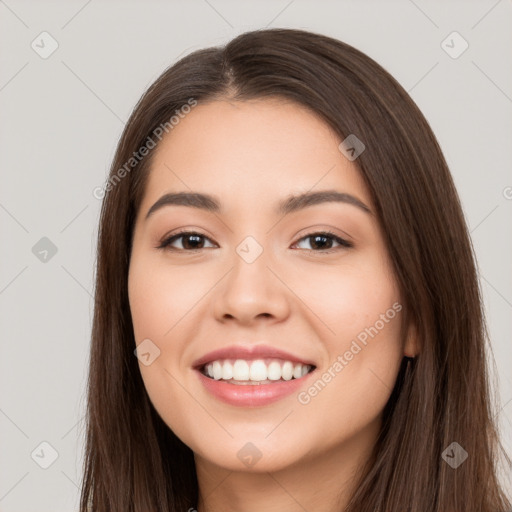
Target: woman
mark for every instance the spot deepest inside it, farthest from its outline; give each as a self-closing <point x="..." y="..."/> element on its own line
<point x="287" y="309"/>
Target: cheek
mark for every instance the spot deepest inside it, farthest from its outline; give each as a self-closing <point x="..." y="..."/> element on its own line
<point x="347" y="297"/>
<point x="164" y="303"/>
<point x="160" y="296"/>
<point x="159" y="300"/>
<point x="360" y="311"/>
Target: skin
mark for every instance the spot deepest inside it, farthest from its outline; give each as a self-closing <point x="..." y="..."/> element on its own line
<point x="251" y="155"/>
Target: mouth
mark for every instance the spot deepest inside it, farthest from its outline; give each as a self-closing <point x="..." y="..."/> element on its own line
<point x="255" y="372"/>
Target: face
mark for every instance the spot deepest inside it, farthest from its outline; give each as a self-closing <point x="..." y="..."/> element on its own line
<point x="250" y="275"/>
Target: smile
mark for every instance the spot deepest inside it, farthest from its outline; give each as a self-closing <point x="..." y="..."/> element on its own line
<point x="255" y="372"/>
<point x="253" y="383"/>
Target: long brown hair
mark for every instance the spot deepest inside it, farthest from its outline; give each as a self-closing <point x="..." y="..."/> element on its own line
<point x="134" y="462"/>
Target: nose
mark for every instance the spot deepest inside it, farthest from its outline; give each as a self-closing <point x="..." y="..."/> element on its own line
<point x="252" y="292"/>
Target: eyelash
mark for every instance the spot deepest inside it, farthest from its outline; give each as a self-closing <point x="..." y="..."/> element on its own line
<point x="328" y="234"/>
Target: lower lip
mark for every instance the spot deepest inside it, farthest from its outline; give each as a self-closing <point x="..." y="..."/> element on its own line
<point x="252" y="394"/>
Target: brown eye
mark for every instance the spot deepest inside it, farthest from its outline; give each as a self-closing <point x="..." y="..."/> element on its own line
<point x="323" y="242"/>
<point x="191" y="241"/>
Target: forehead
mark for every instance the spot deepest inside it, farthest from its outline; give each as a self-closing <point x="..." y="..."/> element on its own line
<point x="251" y="151"/>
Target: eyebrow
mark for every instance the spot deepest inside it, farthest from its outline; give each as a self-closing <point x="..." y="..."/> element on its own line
<point x="291" y="204"/>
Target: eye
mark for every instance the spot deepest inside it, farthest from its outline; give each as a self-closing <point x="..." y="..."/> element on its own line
<point x="192" y="239"/>
<point x="323" y="240"/>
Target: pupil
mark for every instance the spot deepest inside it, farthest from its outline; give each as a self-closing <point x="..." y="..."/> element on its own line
<point x="315" y="238"/>
<point x="188" y="237"/>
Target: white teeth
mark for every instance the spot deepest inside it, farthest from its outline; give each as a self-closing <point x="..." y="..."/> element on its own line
<point x="274" y="371"/>
<point x="217" y="370"/>
<point x="287" y="370"/>
<point x="258" y="370"/>
<point x="227" y="370"/>
<point x="241" y="371"/>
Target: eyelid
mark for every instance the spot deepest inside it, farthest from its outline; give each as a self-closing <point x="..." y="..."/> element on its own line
<point x="325" y="228"/>
<point x="166" y="239"/>
<point x="343" y="243"/>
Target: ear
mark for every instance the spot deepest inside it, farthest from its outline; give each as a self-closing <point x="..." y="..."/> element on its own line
<point x="412" y="344"/>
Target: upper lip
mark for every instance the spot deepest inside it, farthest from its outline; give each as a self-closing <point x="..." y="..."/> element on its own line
<point x="249" y="353"/>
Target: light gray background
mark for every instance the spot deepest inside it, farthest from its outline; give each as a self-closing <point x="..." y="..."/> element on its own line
<point x="61" y="118"/>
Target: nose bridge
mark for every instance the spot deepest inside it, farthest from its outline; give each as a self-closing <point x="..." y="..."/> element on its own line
<point x="251" y="288"/>
<point x="250" y="249"/>
<point x="250" y="264"/>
